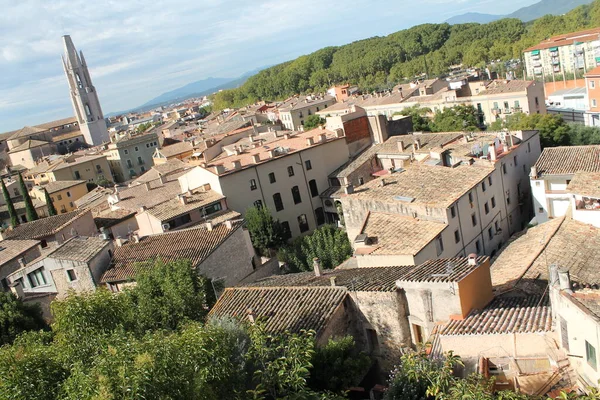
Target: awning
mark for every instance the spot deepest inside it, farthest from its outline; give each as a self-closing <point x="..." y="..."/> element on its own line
<point x="553" y="48"/>
<point x="535" y="53"/>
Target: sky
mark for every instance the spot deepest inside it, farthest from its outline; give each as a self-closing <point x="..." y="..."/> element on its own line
<point x="137" y="49"/>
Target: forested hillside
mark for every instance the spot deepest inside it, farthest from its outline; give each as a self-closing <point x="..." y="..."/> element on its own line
<point x="380" y="62"/>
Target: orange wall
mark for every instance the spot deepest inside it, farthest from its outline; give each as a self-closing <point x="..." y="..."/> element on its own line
<point x="475" y="291"/>
<point x="594" y="94"/>
<point x="551" y="87"/>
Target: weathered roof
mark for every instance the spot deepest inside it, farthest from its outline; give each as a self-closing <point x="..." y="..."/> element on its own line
<point x="166" y="168"/>
<point x="11" y="249"/>
<point x="505" y="315"/>
<point x="567" y="39"/>
<point x="29" y="144"/>
<point x="424" y="184"/>
<point x="136" y="196"/>
<point x="503" y="87"/>
<point x="77" y="161"/>
<point x="57" y="123"/>
<point x="57" y="186"/>
<point x="194" y="244"/>
<point x="594" y="72"/>
<point x="109" y="218"/>
<point x="284" y="309"/>
<point x="566" y="160"/>
<point x="43" y="227"/>
<point x="442" y="270"/>
<point x="96" y="197"/>
<point x="176" y="149"/>
<point x="79" y="248"/>
<point x="373" y="279"/>
<point x="174" y="208"/>
<point x="26" y="132"/>
<point x="585" y="184"/>
<point x="394" y="234"/>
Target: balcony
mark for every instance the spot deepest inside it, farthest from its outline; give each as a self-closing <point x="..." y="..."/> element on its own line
<point x="517" y="109"/>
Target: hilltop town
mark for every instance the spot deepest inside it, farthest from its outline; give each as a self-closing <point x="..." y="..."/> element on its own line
<point x="442" y="216"/>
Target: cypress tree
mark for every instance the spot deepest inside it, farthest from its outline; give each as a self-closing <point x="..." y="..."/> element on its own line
<point x="30" y="212"/>
<point x="14" y="218"/>
<point x="50" y="204"/>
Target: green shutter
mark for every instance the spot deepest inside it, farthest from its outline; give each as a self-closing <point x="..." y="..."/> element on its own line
<point x="535" y="53"/>
<point x="553" y="48"/>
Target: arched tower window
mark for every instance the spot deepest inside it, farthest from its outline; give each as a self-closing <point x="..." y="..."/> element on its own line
<point x="79" y="84"/>
<point x="88" y="112"/>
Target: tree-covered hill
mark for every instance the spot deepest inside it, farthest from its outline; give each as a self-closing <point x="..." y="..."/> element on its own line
<point x="380" y="62"/>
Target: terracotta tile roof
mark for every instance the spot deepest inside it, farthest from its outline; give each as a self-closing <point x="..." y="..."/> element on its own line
<point x="108" y="218"/>
<point x="79" y="248"/>
<point x="136" y="196"/>
<point x="67" y="135"/>
<point x="394" y="234"/>
<point x="11" y="249"/>
<point x="505" y="315"/>
<point x="174" y="208"/>
<point x="567" y="39"/>
<point x="588" y="298"/>
<point x="57" y="186"/>
<point x="375" y="279"/>
<point x="57" y="123"/>
<point x="176" y="149"/>
<point x="427" y="141"/>
<point x="44" y="227"/>
<point x="166" y="168"/>
<point x="519" y="253"/>
<point x="304" y="103"/>
<point x="442" y="270"/>
<point x="594" y="72"/>
<point x="428" y="185"/>
<point x="77" y="161"/>
<point x="503" y="87"/>
<point x="194" y="244"/>
<point x="226" y="127"/>
<point x="26" y="132"/>
<point x="585" y="184"/>
<point x="29" y="144"/>
<point x="284" y="309"/>
<point x="566" y="160"/>
<point x="95" y="198"/>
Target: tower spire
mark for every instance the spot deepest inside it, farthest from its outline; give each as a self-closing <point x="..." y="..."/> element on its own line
<point x="84" y="98"/>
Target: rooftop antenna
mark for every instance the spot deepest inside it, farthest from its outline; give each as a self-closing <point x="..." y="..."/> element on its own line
<point x="449" y="272"/>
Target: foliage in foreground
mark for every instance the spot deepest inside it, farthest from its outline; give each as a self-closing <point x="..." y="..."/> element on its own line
<point x="17" y="317"/>
<point x="327" y="243"/>
<point x="265" y="231"/>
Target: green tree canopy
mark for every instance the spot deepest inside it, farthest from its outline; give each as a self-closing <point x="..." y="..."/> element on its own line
<point x="50" y="204"/>
<point x="313" y="121"/>
<point x="17" y="317"/>
<point x="265" y="231"/>
<point x="30" y="212"/>
<point x="14" y="218"/>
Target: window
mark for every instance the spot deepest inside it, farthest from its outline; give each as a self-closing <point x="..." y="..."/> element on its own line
<point x="126" y="151"/>
<point x="278" y="202"/>
<point x="308" y="165"/>
<point x="456" y="236"/>
<point x="320" y="214"/>
<point x="129" y="164"/>
<point x="506" y="105"/>
<point x="296" y="195"/>
<point x="43" y="243"/>
<point x="537" y="101"/>
<point x="252" y="184"/>
<point x="594" y="103"/>
<point x="490" y="233"/>
<point x="71" y="204"/>
<point x="71" y="276"/>
<point x="496" y="226"/>
<point x="528" y="147"/>
<point x="16" y="191"/>
<point x="36" y="278"/>
<point x="515" y="160"/>
<point x="258" y="204"/>
<point x="592" y="84"/>
<point x="302" y="122"/>
<point x="470" y="197"/>
<point x="140" y="160"/>
<point x="136" y="148"/>
<point x="493" y="202"/>
<point x="290" y="171"/>
<point x="361" y="181"/>
<point x="564" y="334"/>
<point x="98" y="168"/>
<point x="272" y="177"/>
<point x="68" y="194"/>
<point x="453" y="211"/>
<point x="303" y="223"/>
<point x="486" y="207"/>
<point x="473" y="219"/>
<point x="496" y="105"/>
<point x="439" y="245"/>
<point x="59" y="197"/>
<point x="508" y="199"/>
<point x="538" y="184"/>
<point x="77" y="174"/>
<point x="179" y="221"/>
<point x="524" y="168"/>
<point x="478" y="246"/>
<point x="517" y="104"/>
<point x="541" y="210"/>
<point x="300" y="114"/>
<point x="312" y="184"/>
<point x="590" y="355"/>
<point x="504" y="168"/>
<point x="483" y="186"/>
<point x="287" y="232"/>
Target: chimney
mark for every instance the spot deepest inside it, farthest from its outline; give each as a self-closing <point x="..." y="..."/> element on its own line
<point x="492" y="152"/>
<point x="229" y="224"/>
<point x="339" y="133"/>
<point x="553" y="275"/>
<point x="237" y="164"/>
<point x="349" y="189"/>
<point x="310" y="141"/>
<point x="271" y="153"/>
<point x="472" y="260"/>
<point x="142" y="209"/>
<point x="135" y="237"/>
<point x="163" y="179"/>
<point x="251" y="316"/>
<point x="317" y="266"/>
<point x="533" y="172"/>
<point x="417" y="144"/>
<point x="147" y="185"/>
<point x="209" y="225"/>
<point x="182" y="199"/>
<point x="382" y="182"/>
<point x="219" y="169"/>
<point x="286" y="136"/>
<point x="256" y="158"/>
<point x="21" y="262"/>
<point x="251" y="138"/>
<point x="322" y="138"/>
<point x="332" y="280"/>
<point x="17" y="289"/>
<point x="564" y="281"/>
<point x="400" y="146"/>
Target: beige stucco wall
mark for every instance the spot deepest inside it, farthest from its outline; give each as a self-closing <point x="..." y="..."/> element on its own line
<point x="27" y="158"/>
<point x="88" y="171"/>
<point x="123" y="228"/>
<point x="63" y="200"/>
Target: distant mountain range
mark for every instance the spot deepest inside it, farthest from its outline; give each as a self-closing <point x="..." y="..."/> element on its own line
<point x="525" y="14"/>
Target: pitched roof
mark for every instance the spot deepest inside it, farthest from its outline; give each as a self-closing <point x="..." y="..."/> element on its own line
<point x="566" y="39"/>
<point x="194" y="244"/>
<point x="394" y="234"/>
<point x="284" y="309"/>
<point x="109" y="218"/>
<point x="57" y="186"/>
<point x="11" y="249"/>
<point x="170" y="166"/>
<point x="442" y="270"/>
<point x="57" y="123"/>
<point x="29" y="144"/>
<point x="505" y="315"/>
<point x="79" y="248"/>
<point x="566" y="160"/>
<point x="503" y="87"/>
<point x="594" y="72"/>
<point x="174" y="208"/>
<point x="424" y="184"/>
<point x="176" y="149"/>
<point x="26" y="132"/>
<point x="585" y="184"/>
<point x="136" y="196"/>
<point x="44" y="227"/>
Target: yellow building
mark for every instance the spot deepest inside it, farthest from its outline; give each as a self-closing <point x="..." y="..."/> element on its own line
<point x="62" y="193"/>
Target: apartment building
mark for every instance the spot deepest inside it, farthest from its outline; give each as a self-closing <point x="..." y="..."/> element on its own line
<point x="90" y="168"/>
<point x="285" y="173"/>
<point x="62" y="193"/>
<point x="292" y="116"/>
<point x="592" y="85"/>
<point x="552" y="174"/>
<point x="130" y="155"/>
<point x="574" y="52"/>
<point x="438" y="195"/>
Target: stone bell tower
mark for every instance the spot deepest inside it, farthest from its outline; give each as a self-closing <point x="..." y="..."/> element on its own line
<point x="83" y="95"/>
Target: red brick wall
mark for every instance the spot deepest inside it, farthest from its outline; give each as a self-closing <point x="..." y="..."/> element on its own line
<point x="551" y="87"/>
<point x="357" y="129"/>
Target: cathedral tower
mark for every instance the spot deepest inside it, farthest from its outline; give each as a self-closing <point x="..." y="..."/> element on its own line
<point x="83" y="95"/>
